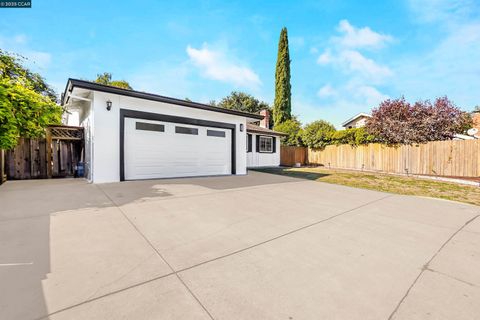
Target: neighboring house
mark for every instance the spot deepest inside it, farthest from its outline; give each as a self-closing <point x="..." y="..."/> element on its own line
<point x="131" y="135"/>
<point x="357" y="121"/>
<point x="476" y="125"/>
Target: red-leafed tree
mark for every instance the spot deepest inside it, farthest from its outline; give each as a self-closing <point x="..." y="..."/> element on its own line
<point x="399" y="122"/>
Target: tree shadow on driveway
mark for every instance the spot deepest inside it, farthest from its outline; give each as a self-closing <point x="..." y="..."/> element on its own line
<point x="294" y="174"/>
<point x="131" y="191"/>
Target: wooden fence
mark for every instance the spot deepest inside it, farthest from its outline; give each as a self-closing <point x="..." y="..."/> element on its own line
<point x="54" y="156"/>
<point x="289" y="156"/>
<point x="440" y="158"/>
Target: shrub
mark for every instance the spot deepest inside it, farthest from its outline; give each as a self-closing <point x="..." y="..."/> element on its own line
<point x="317" y="134"/>
<point x="343" y="136"/>
<point x="353" y="137"/>
<point x="293" y="129"/>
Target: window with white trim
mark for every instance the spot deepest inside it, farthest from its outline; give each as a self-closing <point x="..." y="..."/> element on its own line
<point x="266" y="144"/>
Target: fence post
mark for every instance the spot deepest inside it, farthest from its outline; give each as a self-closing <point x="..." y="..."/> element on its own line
<point x="48" y="146"/>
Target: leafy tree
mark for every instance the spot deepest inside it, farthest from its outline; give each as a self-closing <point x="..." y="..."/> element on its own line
<point x="11" y="68"/>
<point x="27" y="102"/>
<point x="293" y="129"/>
<point x="106" y="78"/>
<point x="282" y="106"/>
<point x="317" y="134"/>
<point x="242" y="102"/>
<point x="399" y="122"/>
<point x="245" y="102"/>
<point x="476" y="108"/>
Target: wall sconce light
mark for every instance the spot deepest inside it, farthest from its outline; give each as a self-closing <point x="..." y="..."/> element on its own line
<point x="241" y="127"/>
<point x="109" y="105"/>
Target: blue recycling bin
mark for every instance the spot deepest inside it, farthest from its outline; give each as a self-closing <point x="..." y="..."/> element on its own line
<point x="80" y="170"/>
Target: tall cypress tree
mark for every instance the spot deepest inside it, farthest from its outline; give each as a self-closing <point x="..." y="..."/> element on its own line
<point x="282" y="106"/>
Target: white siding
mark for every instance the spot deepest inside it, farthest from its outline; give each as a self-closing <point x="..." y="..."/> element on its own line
<point x="107" y="130"/>
<point x="86" y="121"/>
<point x="256" y="159"/>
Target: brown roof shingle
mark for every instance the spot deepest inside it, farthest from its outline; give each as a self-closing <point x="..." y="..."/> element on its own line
<point x="256" y="129"/>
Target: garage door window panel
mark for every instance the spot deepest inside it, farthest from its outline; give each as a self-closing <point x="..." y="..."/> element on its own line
<point x="186" y="130"/>
<point x="149" y="126"/>
<point x="216" y="133"/>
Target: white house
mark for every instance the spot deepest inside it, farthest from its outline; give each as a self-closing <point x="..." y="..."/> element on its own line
<point x="131" y="135"/>
<point x="357" y="121"/>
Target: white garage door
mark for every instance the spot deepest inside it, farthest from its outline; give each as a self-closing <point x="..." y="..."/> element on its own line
<point x="155" y="149"/>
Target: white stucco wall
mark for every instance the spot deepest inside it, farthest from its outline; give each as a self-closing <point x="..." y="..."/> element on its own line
<point x="106" y="146"/>
<point x="257" y="159"/>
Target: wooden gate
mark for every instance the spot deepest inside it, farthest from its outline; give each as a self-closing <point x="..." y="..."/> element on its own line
<point x="290" y="156"/>
<point x="54" y="156"/>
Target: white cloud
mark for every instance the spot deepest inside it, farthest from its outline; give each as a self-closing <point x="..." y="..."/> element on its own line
<point x="370" y="95"/>
<point x="357" y="91"/>
<point x="356" y="62"/>
<point x="325" y="57"/>
<point x="326" y="91"/>
<point x="360" y="37"/>
<point x="218" y="65"/>
<point x="344" y="53"/>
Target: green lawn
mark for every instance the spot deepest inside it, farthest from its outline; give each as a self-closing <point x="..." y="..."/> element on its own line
<point x="384" y="182"/>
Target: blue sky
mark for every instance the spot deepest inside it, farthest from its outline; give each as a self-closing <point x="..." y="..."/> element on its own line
<point x="346" y="56"/>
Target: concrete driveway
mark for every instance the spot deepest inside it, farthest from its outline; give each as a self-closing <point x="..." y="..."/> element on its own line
<point x="254" y="247"/>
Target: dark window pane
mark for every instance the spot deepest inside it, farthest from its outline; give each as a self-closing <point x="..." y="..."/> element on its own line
<point x="249" y="142"/>
<point x="215" y="133"/>
<point x="266" y="144"/>
<point x="185" y="130"/>
<point x="149" y="126"/>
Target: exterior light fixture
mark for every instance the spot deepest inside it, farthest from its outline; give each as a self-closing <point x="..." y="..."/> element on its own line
<point x="109" y="105"/>
<point x="241" y="127"/>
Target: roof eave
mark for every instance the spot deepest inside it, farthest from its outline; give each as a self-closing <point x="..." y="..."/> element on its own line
<point x="72" y="83"/>
<point x="356" y="117"/>
<point x="271" y="133"/>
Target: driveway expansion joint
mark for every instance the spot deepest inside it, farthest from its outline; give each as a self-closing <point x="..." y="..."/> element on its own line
<point x="426" y="266"/>
<point x="451" y="277"/>
<point x="159" y="254"/>
<point x="286" y="234"/>
<point x="177" y="272"/>
<point x="47" y="316"/>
